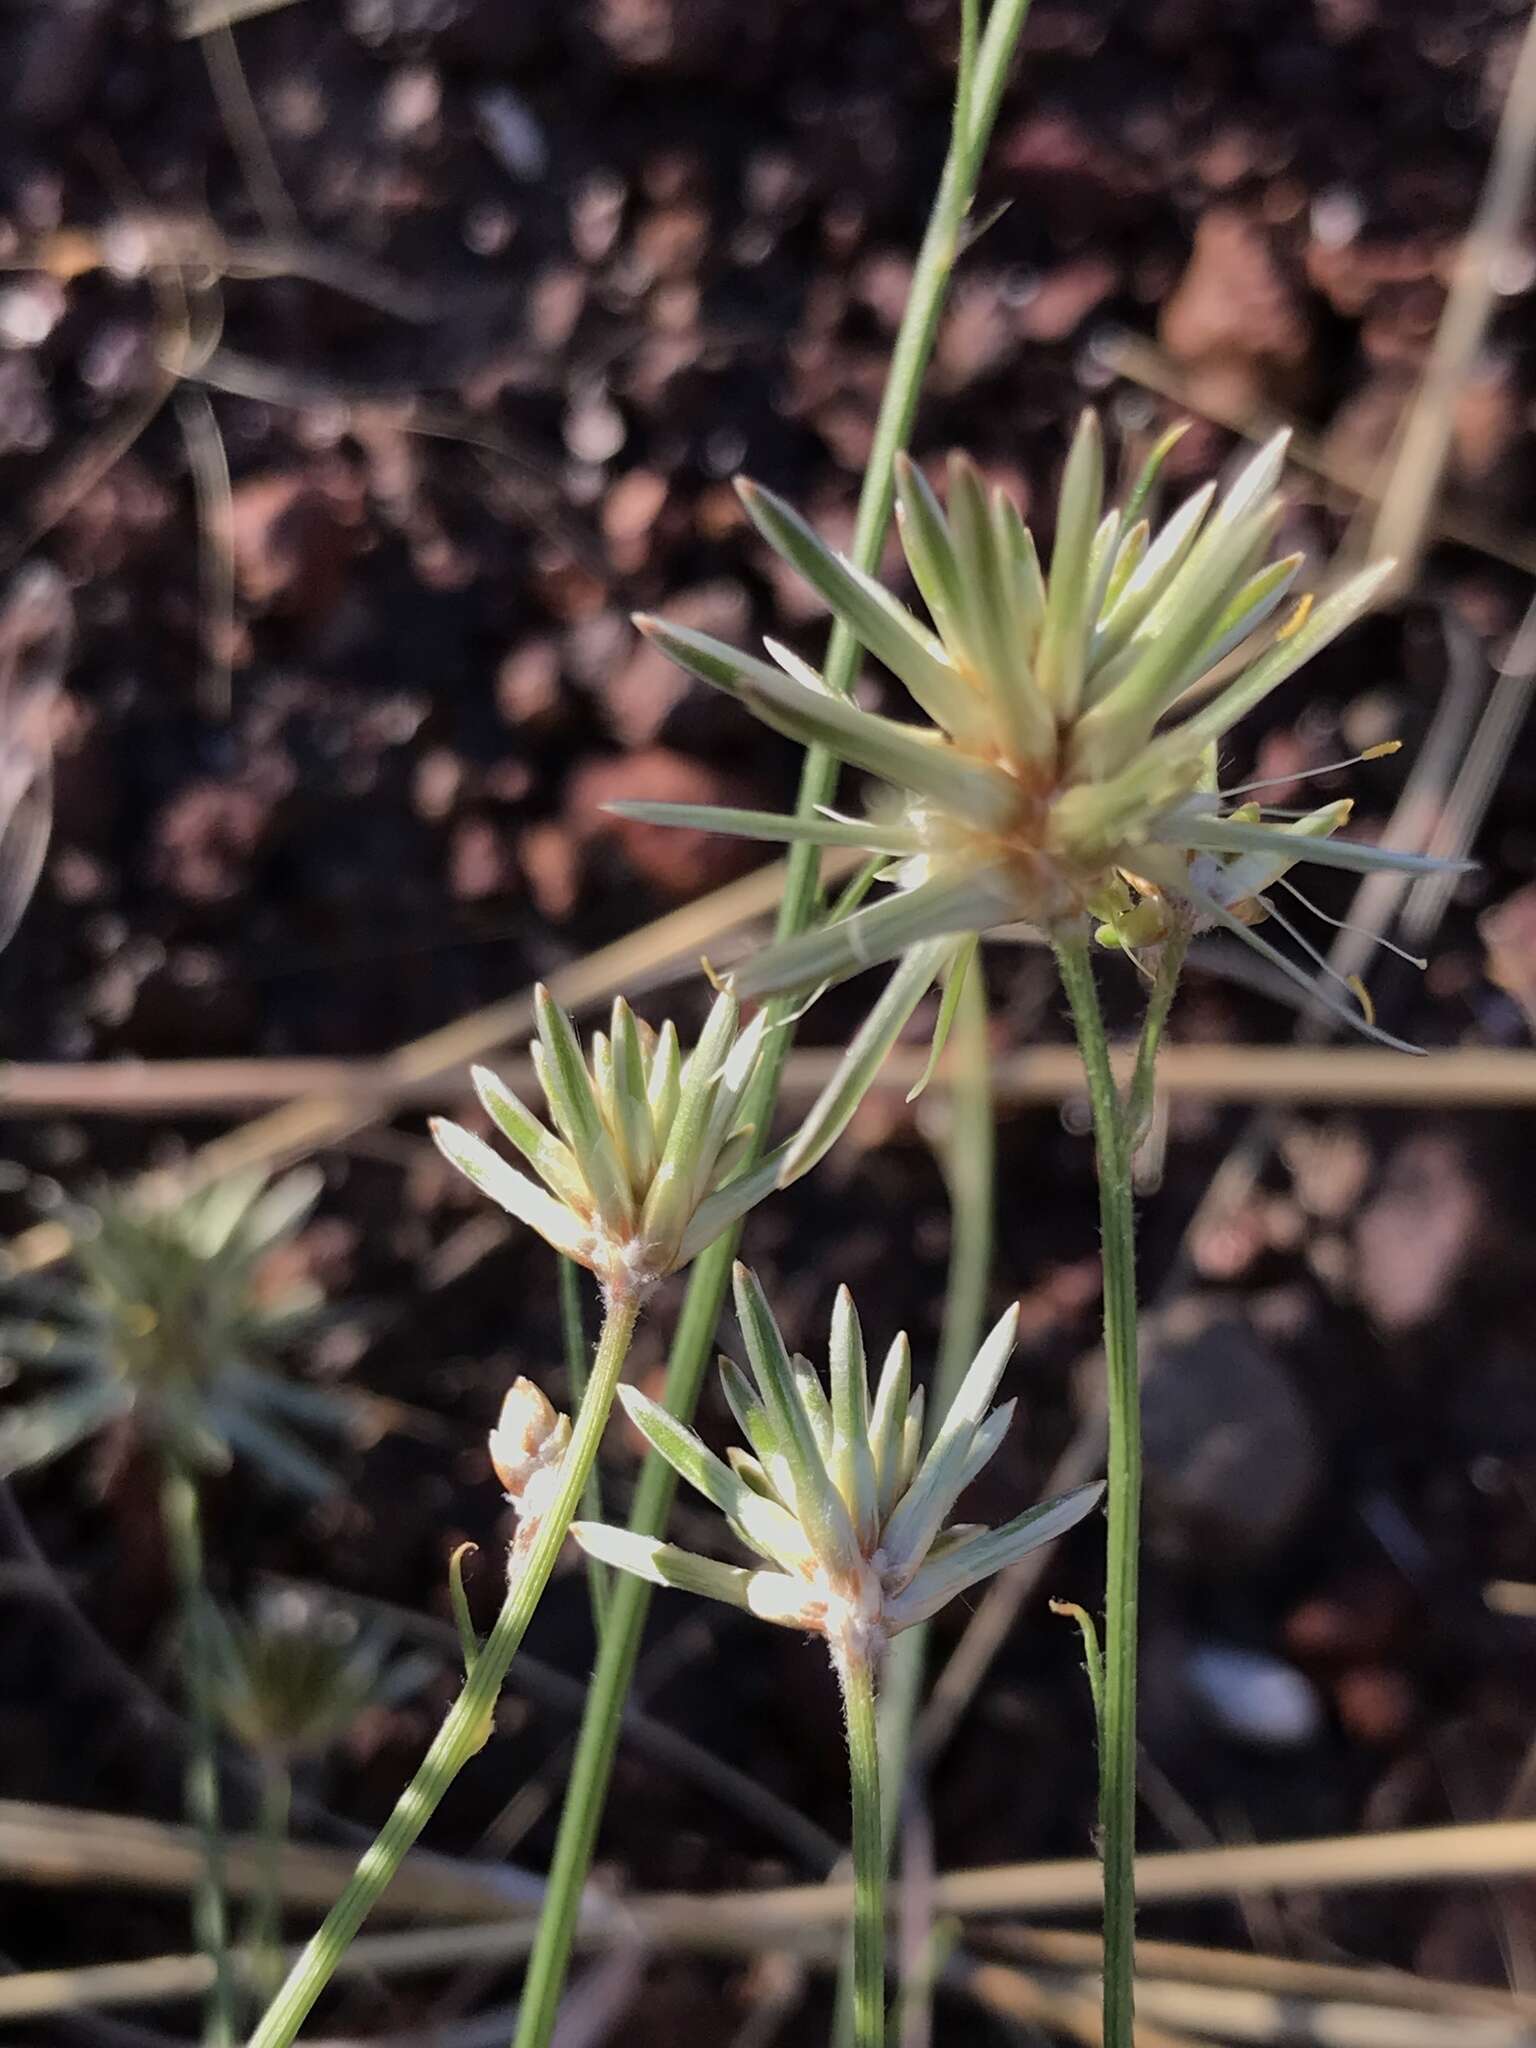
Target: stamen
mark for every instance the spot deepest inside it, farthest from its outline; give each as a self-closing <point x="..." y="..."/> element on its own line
<point x="1377" y="753"/>
<point x="1297" y="619"/>
<point x="1346" y="981"/>
<point x="1341" y="924"/>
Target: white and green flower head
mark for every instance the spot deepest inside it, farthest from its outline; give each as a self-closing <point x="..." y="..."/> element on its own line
<point x="1053" y="782"/>
<point x="842" y="1506"/>
<point x="171" y="1327"/>
<point x="647" y="1161"/>
<point x="291" y="1680"/>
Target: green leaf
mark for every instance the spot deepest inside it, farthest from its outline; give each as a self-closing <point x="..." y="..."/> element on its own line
<point x="671" y="1202"/>
<point x="1295" y="645"/>
<point x="935" y="1489"/>
<point x="888" y="1416"/>
<point x="817" y="1504"/>
<point x="875" y="618"/>
<point x="1212" y="834"/>
<point x="45" y="1346"/>
<point x="1059" y="666"/>
<point x="768" y="1527"/>
<point x="979" y="1557"/>
<point x="40" y="1430"/>
<point x="663" y="1564"/>
<point x="664" y="1083"/>
<point x="962" y="962"/>
<point x="907" y="756"/>
<point x="1137" y="687"/>
<point x="1151" y="470"/>
<point x="890" y="839"/>
<point x="930" y="553"/>
<point x="551" y="1159"/>
<point x="853" y="1464"/>
<point x="518" y="1195"/>
<point x="717" y="1212"/>
<point x="833" y="1109"/>
<point x="632" y="1114"/>
<point x="469" y="1641"/>
<point x="986" y="1443"/>
<point x="1022" y="711"/>
<point x="1147" y="583"/>
<point x="574" y="1105"/>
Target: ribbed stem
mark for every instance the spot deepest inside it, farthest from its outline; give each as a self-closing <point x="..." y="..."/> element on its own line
<point x="856" y="1675"/>
<point x="1117" y="1744"/>
<point x="264" y="1936"/>
<point x="468" y="1724"/>
<point x="970" y="1167"/>
<point x="573" y="1333"/>
<point x="181" y="1515"/>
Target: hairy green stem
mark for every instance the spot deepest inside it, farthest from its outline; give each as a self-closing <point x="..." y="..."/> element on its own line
<point x="1117" y="1733"/>
<point x="598" y="1741"/>
<point x="856" y="1676"/>
<point x="468" y="1724"/>
<point x="181" y="1515"/>
<point x="264" y="1935"/>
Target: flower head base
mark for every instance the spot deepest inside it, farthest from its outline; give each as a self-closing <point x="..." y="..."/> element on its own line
<point x="646" y="1169"/>
<point x="172" y="1325"/>
<point x="836" y="1495"/>
<point x="1046" y="787"/>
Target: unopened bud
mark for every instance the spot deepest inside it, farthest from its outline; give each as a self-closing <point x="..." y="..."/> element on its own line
<point x="529" y="1436"/>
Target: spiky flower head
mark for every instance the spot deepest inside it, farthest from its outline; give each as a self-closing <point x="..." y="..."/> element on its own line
<point x="647" y="1166"/>
<point x="293" y="1678"/>
<point x="837" y="1496"/>
<point x="1051" y="785"/>
<point x="173" y="1324"/>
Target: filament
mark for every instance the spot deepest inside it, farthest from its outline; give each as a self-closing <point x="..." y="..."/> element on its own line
<point x="1376" y="753"/>
<point x="1342" y="924"/>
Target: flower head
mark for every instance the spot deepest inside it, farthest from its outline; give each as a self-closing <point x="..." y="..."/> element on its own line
<point x="1050" y="785"/>
<point x="291" y="1680"/>
<point x="646" y="1169"/>
<point x="172" y="1325"/>
<point x="837" y="1496"/>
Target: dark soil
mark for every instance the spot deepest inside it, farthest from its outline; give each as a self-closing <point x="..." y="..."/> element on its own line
<point x="640" y="245"/>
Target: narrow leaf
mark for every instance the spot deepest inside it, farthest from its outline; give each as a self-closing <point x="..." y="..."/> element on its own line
<point x="779" y="829"/>
<point x="904" y="755"/>
<point x="518" y="1195"/>
<point x="890" y="632"/>
<point x="853" y="1465"/>
<point x="833" y="1109"/>
<point x="551" y="1159"/>
<point x="967" y="1563"/>
<point x="817" y="1504"/>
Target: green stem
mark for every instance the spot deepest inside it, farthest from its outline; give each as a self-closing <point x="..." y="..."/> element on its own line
<point x="1117" y="1741"/>
<point x="597" y="1743"/>
<point x="264" y="1938"/>
<point x="970" y="1167"/>
<point x="468" y="1724"/>
<point x="858" y="1682"/>
<point x="1165" y="980"/>
<point x="181" y="1515"/>
<point x="574" y="1335"/>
